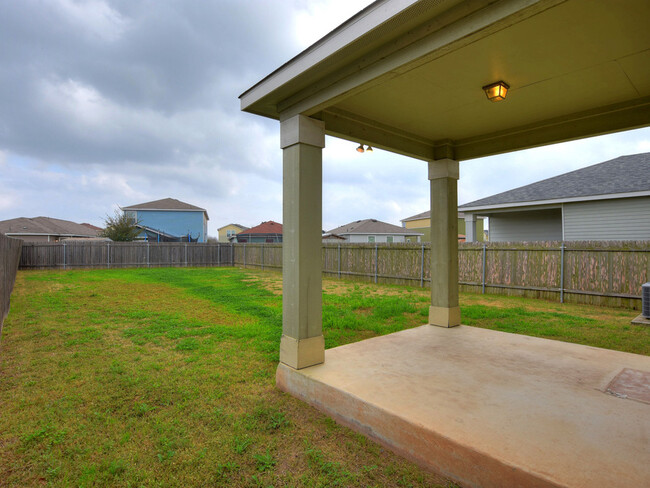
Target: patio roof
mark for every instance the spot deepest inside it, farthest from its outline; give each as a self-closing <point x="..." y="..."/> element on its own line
<point x="406" y="75"/>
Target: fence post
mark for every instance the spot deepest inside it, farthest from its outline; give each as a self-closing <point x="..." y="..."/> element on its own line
<point x="422" y="267"/>
<point x="339" y="260"/>
<point x="219" y="254"/>
<point x="262" y="255"/>
<point x="483" y="271"/>
<point x="376" y="261"/>
<point x="562" y="273"/>
<point x="64" y="255"/>
<point x="186" y="255"/>
<point x="148" y="261"/>
<point x="244" y="254"/>
<point x="108" y="254"/>
<point x="232" y="253"/>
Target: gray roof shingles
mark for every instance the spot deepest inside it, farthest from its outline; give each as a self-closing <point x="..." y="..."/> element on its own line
<point x="46" y="225"/>
<point x="372" y="226"/>
<point x="427" y="215"/>
<point x="625" y="174"/>
<point x="165" y="204"/>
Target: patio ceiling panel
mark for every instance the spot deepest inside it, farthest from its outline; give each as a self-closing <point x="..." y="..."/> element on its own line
<point x="551" y="76"/>
<point x="576" y="68"/>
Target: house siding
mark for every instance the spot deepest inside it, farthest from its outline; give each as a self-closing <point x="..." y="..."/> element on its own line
<point x="223" y="232"/>
<point x="259" y="239"/>
<point x="363" y="238"/>
<point x="621" y="219"/>
<point x="540" y="225"/>
<point x="177" y="223"/>
<point x="424" y="226"/>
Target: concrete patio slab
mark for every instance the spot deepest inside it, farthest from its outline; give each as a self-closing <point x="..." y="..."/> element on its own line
<point x="488" y="408"/>
<point x="641" y="320"/>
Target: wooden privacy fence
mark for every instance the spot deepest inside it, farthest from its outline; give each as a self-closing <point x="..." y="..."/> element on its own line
<point x="93" y="254"/>
<point x="608" y="273"/>
<point x="603" y="273"/>
<point x="597" y="272"/>
<point x="9" y="256"/>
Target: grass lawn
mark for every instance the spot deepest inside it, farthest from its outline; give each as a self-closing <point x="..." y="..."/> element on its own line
<point x="165" y="377"/>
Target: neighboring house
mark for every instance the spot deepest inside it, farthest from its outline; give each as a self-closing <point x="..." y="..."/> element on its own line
<point x="265" y="232"/>
<point x="46" y="229"/>
<point x="93" y="227"/>
<point x="332" y="238"/>
<point x="372" y="230"/>
<point x="606" y="201"/>
<point x="422" y="223"/>
<point x="230" y="230"/>
<point x="170" y="220"/>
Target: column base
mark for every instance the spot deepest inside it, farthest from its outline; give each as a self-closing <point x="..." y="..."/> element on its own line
<point x="444" y="316"/>
<point x="302" y="353"/>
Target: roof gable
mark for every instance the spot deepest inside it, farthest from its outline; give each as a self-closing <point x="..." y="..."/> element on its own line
<point x="269" y="227"/>
<point x="166" y="204"/>
<point x="623" y="175"/>
<point x="372" y="226"/>
<point x="241" y="227"/>
<point x="46" y="225"/>
<point x="427" y="215"/>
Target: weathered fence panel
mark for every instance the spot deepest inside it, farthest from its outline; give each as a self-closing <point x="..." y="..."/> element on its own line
<point x="9" y="258"/>
<point x="602" y="273"/>
<point x="93" y="254"/>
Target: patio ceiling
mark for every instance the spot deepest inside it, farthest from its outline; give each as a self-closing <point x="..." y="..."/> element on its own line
<point x="406" y="75"/>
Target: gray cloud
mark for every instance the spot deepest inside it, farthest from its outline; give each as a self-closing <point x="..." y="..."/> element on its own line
<point x="106" y="102"/>
<point x="151" y="82"/>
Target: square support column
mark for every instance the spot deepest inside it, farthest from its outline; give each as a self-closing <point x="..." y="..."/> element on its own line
<point x="470" y="227"/>
<point x="444" y="310"/>
<point x="302" y="141"/>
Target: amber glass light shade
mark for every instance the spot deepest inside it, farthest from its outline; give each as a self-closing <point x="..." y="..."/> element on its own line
<point x="496" y="91"/>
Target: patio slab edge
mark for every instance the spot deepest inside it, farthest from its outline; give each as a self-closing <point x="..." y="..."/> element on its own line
<point x="417" y="443"/>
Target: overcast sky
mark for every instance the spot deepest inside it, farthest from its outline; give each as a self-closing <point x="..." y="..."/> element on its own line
<point x="114" y="103"/>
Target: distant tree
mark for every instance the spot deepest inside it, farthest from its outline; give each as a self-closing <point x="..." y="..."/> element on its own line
<point x="120" y="227"/>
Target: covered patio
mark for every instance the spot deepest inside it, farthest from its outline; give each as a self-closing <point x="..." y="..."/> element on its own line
<point x="482" y="407"/>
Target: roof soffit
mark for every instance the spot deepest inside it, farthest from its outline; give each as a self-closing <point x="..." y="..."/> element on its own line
<point x="576" y="69"/>
<point x="388" y="38"/>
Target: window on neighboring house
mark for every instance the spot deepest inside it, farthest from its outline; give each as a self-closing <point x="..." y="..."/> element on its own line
<point x="230" y="233"/>
<point x="371" y="238"/>
<point x="131" y="215"/>
<point x="389" y="239"/>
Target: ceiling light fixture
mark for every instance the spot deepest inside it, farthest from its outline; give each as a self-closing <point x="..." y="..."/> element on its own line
<point x="368" y="149"/>
<point x="496" y="91"/>
<point x="360" y="148"/>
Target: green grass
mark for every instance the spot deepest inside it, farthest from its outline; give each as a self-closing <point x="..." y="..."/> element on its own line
<point x="165" y="377"/>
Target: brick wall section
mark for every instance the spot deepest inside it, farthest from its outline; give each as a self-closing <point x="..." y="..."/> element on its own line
<point x="9" y="259"/>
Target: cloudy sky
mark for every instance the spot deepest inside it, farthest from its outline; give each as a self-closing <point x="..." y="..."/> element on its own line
<point x="107" y="103"/>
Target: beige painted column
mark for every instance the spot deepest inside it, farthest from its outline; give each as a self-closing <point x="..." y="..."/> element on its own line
<point x="302" y="141"/>
<point x="444" y="310"/>
<point x="470" y="227"/>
